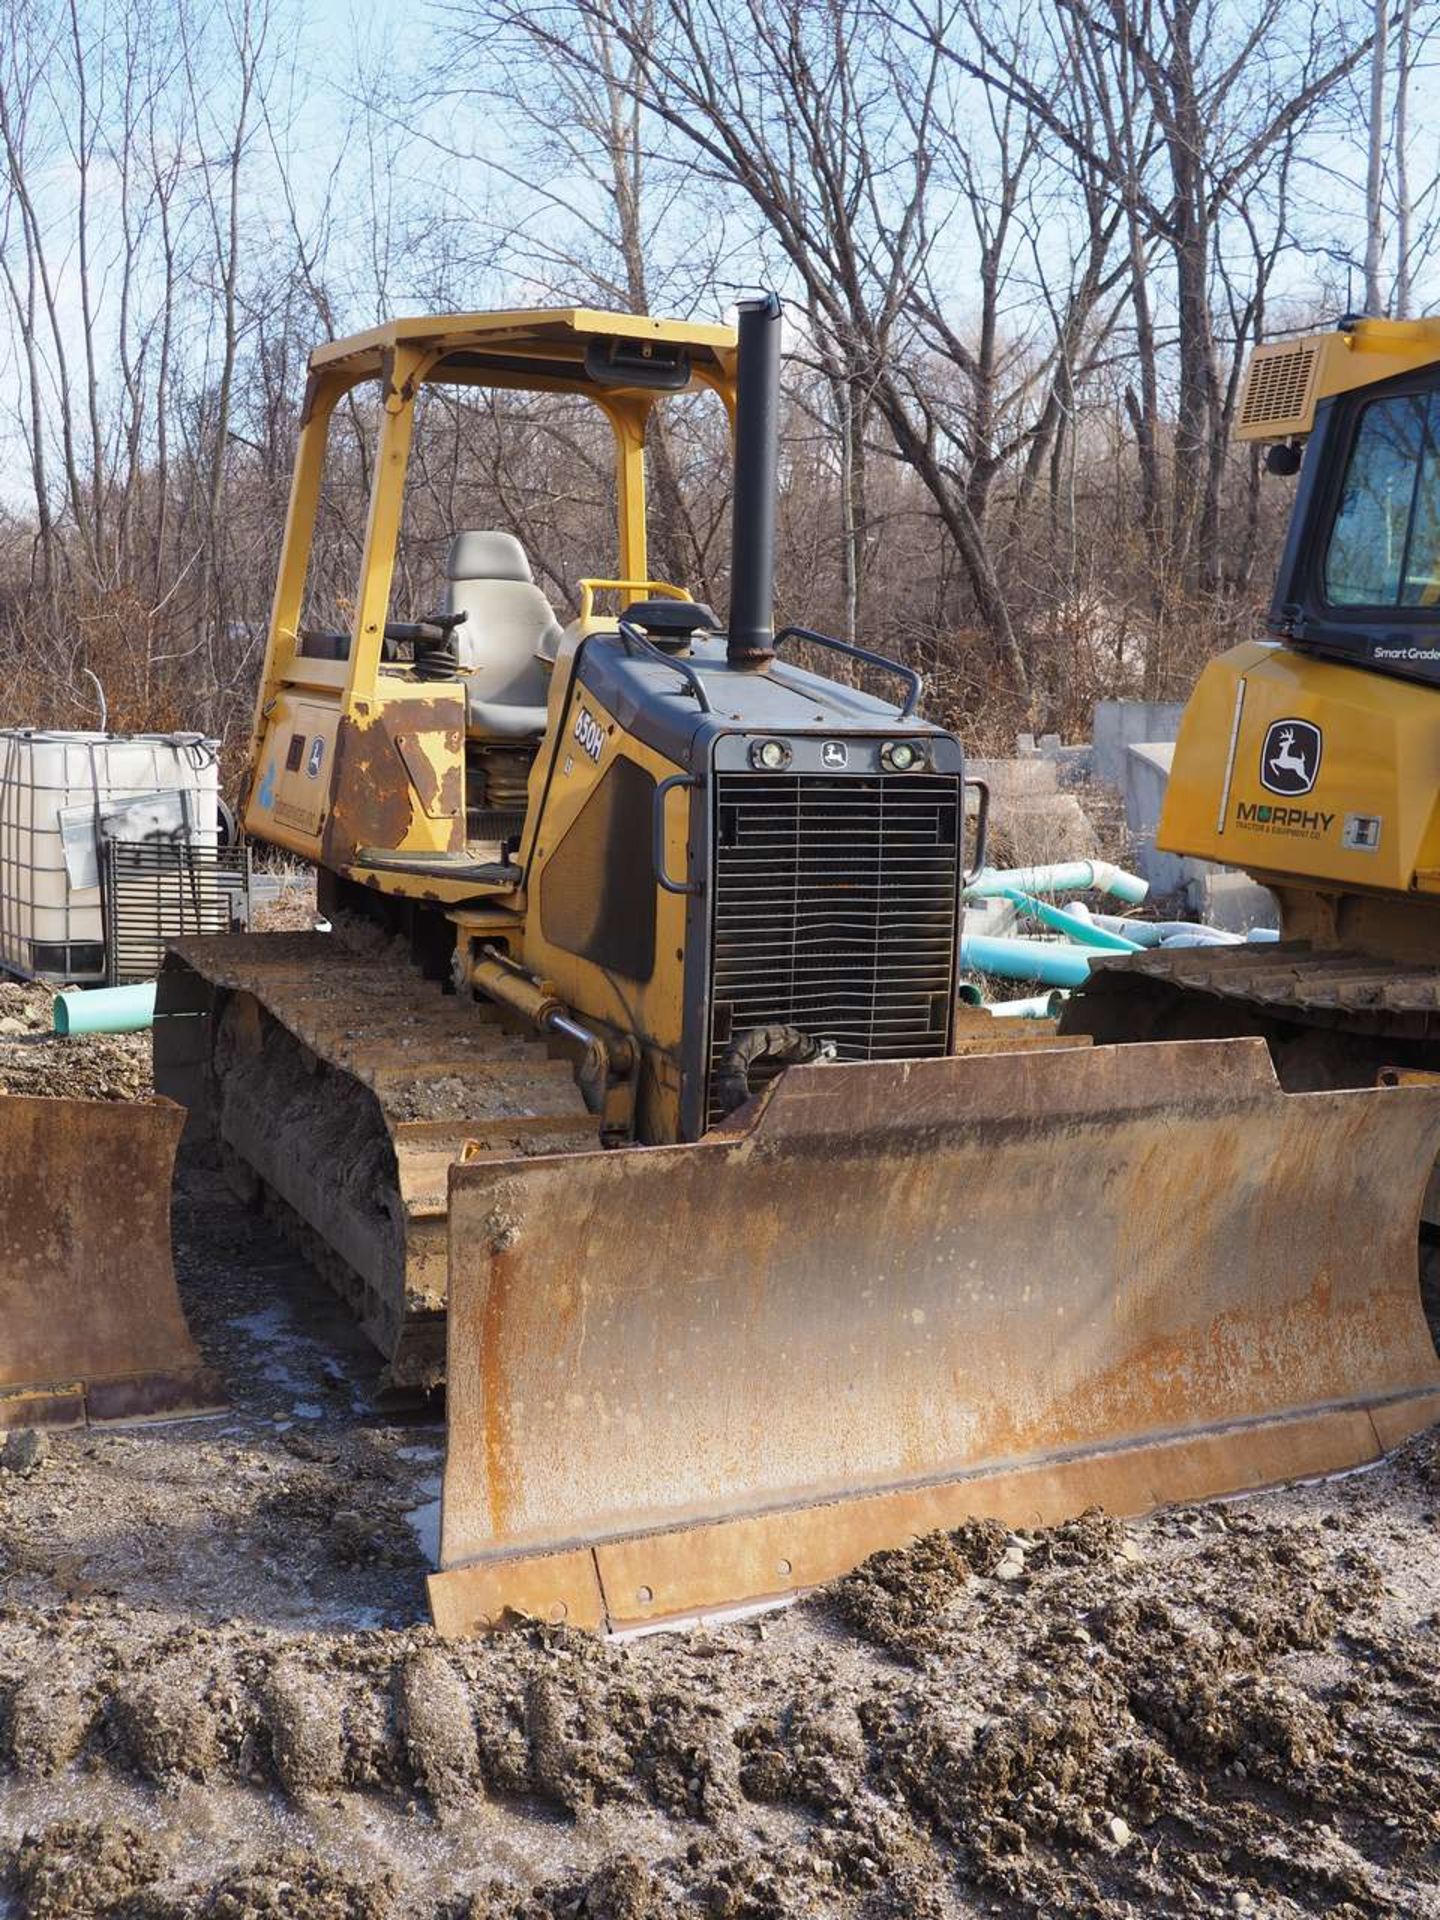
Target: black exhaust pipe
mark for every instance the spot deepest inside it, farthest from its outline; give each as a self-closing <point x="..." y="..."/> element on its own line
<point x="752" y="513"/>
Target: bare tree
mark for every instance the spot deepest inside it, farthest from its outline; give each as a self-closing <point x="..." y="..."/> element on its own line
<point x="1375" y="299"/>
<point x="1025" y="254"/>
<point x="827" y="123"/>
<point x="1222" y="102"/>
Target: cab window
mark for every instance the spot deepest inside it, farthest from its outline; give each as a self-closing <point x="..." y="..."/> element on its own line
<point x="1384" y="545"/>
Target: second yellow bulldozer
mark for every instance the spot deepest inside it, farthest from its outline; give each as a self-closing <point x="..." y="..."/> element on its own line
<point x="1310" y="757"/>
<point x="629" y="1095"/>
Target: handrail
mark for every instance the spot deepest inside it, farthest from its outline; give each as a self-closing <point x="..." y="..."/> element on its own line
<point x="657" y="835"/>
<point x="915" y="681"/>
<point x="634" y="640"/>
<point x="637" y="589"/>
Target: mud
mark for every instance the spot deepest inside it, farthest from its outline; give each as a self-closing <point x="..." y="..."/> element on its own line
<point x="77" y="1867"/>
<point x="1228" y="1710"/>
<point x="293" y="1886"/>
<point x="217" y="1699"/>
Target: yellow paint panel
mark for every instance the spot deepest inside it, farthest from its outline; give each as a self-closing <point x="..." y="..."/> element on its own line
<point x="586" y="743"/>
<point x="534" y="328"/>
<point x="304" y="784"/>
<point x="1238" y="792"/>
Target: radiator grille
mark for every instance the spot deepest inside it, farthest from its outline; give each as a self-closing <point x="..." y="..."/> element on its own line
<point x="835" y="910"/>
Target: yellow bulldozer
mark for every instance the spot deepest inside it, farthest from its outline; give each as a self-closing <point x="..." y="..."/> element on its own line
<point x="628" y="1095"/>
<point x="1311" y="758"/>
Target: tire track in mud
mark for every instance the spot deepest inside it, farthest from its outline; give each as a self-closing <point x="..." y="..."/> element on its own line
<point x="1216" y="1711"/>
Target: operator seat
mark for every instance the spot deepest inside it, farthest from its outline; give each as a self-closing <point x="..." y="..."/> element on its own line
<point x="508" y="634"/>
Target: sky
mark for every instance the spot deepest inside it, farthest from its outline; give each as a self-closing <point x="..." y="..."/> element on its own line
<point x="411" y="194"/>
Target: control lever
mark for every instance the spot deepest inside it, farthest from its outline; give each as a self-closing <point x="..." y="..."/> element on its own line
<point x="436" y="657"/>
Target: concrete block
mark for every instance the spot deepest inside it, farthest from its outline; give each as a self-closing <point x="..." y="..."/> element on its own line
<point x="1076" y="765"/>
<point x="1124" y="723"/>
<point x="1230" y="900"/>
<point x="1220" y="896"/>
<point x="1146" y="775"/>
<point x="1034" y="829"/>
<point x="1145" y="778"/>
<point x="993" y="918"/>
<point x="1015" y="779"/>
<point x="1073" y="764"/>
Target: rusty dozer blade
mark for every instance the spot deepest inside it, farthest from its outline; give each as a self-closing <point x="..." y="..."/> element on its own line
<point x="90" y="1320"/>
<point x="1012" y="1284"/>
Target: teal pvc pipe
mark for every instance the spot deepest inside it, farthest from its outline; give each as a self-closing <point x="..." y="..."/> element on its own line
<point x="1155" y="933"/>
<point x="1080" y="927"/>
<point x="1052" y="963"/>
<point x="106" y="1009"/>
<point x="969" y="994"/>
<point x="1146" y="933"/>
<point x="1066" y="876"/>
<point x="1040" y="1006"/>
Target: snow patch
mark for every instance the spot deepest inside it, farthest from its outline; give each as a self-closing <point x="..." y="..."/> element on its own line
<point x="424" y="1520"/>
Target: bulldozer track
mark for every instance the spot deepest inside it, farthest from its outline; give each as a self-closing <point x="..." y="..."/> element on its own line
<point x="341" y="1087"/>
<point x="1330" y="1018"/>
<point x="1292" y="980"/>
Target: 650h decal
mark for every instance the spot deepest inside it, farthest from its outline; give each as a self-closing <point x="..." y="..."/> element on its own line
<point x="589" y="732"/>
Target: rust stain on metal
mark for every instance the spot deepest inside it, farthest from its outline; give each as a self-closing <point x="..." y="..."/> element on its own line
<point x="451" y="797"/>
<point x="494" y="1385"/>
<point x="90" y="1318"/>
<point x="374" y="795"/>
<point x="57" y="1407"/>
<point x="369" y="799"/>
<point x="438" y="794"/>
<point x="684" y="1569"/>
<point x="555" y="1587"/>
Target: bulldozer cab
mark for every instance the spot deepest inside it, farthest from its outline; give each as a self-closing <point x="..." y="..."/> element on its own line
<point x="1310" y="759"/>
<point x="1359" y="580"/>
<point x="365" y="736"/>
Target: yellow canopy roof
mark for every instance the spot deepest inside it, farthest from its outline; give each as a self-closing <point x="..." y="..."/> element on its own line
<point x="568" y="349"/>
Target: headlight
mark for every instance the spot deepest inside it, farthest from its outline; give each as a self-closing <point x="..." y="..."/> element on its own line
<point x="770" y="756"/>
<point x="900" y="756"/>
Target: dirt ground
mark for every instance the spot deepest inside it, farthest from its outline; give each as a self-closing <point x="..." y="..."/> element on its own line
<point x="34" y="1059"/>
<point x="292" y="909"/>
<point x="215" y="1699"/>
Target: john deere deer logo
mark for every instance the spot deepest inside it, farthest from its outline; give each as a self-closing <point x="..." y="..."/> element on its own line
<point x="1290" y="758"/>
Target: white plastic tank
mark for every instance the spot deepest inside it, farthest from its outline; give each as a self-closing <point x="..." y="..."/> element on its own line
<point x="61" y="796"/>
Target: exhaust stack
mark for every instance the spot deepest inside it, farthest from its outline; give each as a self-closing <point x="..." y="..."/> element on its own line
<point x="752" y="515"/>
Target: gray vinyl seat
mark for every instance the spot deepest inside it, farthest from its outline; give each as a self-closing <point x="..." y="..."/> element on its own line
<point x="508" y="634"/>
